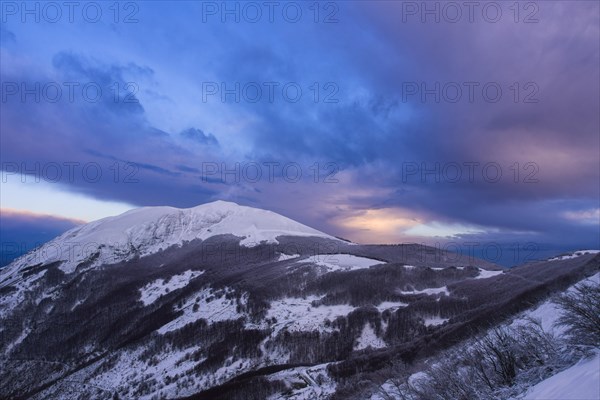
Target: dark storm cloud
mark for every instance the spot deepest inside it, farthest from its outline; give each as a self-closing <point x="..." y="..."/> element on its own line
<point x="553" y="141"/>
<point x="119" y="102"/>
<point x="126" y="158"/>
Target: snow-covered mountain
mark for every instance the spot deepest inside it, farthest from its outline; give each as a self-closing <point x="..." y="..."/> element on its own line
<point x="149" y="230"/>
<point x="222" y="301"/>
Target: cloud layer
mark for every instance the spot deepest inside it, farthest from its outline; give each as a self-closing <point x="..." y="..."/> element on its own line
<point x="401" y="129"/>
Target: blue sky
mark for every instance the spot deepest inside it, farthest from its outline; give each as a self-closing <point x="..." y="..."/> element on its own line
<point x="368" y="120"/>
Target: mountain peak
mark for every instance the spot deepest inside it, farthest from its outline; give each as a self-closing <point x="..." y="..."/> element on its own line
<point x="223" y="203"/>
<point x="148" y="230"/>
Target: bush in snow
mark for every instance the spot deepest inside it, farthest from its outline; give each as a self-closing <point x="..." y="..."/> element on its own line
<point x="581" y="314"/>
<point x="496" y="365"/>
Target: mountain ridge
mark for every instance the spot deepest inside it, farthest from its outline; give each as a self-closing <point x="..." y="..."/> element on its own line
<point x="147" y="230"/>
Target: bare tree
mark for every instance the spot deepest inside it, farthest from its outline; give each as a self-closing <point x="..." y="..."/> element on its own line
<point x="581" y="314"/>
<point x="396" y="387"/>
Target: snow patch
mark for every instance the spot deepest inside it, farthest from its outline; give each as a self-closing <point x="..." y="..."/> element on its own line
<point x="368" y="338"/>
<point x="435" y="321"/>
<point x="341" y="262"/>
<point x="391" y="305"/>
<point x="428" y="291"/>
<point x="283" y="257"/>
<point x="152" y="291"/>
<point x="486" y="273"/>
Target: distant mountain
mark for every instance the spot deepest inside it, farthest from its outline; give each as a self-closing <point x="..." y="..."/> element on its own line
<point x="224" y="301"/>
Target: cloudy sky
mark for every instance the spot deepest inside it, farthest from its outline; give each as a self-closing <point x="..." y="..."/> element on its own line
<point x="382" y="122"/>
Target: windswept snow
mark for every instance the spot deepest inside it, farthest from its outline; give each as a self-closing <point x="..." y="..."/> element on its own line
<point x="441" y="290"/>
<point x="148" y="230"/>
<point x="341" y="262"/>
<point x="580" y="382"/>
<point x="435" y="321"/>
<point x="368" y="338"/>
<point x="391" y="305"/>
<point x="152" y="291"/>
<point x="578" y="253"/>
<point x="284" y="257"/>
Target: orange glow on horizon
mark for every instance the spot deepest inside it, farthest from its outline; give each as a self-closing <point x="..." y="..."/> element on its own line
<point x="384" y="225"/>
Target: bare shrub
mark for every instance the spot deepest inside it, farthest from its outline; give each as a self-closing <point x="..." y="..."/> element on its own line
<point x="581" y="314"/>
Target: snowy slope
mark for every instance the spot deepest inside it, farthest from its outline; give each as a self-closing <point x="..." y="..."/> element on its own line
<point x="580" y="382"/>
<point x="149" y="230"/>
<point x="548" y="312"/>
